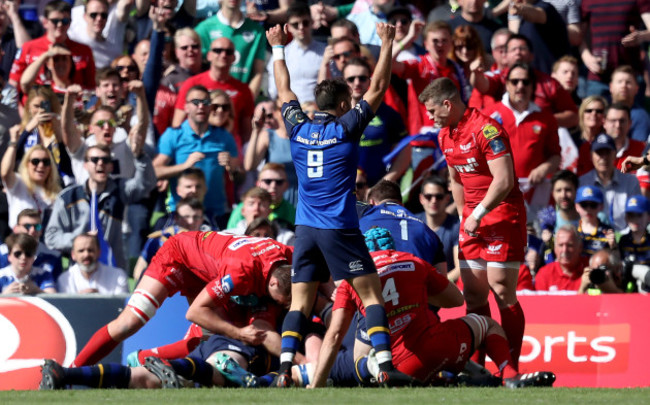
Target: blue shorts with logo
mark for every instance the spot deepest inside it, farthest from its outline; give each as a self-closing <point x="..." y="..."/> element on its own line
<point x="259" y="360"/>
<point x="320" y="252"/>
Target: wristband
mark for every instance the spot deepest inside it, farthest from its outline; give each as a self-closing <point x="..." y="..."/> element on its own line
<point x="12" y="143"/>
<point x="479" y="212"/>
<point x="278" y="52"/>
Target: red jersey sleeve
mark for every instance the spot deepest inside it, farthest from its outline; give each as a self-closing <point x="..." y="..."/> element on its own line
<point x="525" y="279"/>
<point x="559" y="99"/>
<point x="19" y="65"/>
<point x="436" y="282"/>
<point x="344" y="297"/>
<point x="234" y="283"/>
<point x="411" y="70"/>
<point x="492" y="140"/>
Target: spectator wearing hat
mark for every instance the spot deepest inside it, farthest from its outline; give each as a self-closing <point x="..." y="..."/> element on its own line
<point x="615" y="186"/>
<point x="595" y="234"/>
<point x="565" y="273"/>
<point x="634" y="246"/>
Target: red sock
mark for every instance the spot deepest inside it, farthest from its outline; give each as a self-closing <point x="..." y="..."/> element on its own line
<point x="98" y="347"/>
<point x="171" y="351"/>
<point x="479" y="354"/>
<point x="513" y="323"/>
<point x="498" y="349"/>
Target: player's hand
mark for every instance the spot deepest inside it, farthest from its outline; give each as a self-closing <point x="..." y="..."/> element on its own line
<point x="386" y="32"/>
<point x="224" y="159"/>
<point x="251" y="335"/>
<point x="632" y="163"/>
<point x="194" y="158"/>
<point x="471" y="226"/>
<point x="277" y="35"/>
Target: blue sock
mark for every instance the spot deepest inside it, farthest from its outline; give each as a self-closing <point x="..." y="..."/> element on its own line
<point x="267" y="379"/>
<point x="193" y="368"/>
<point x="377" y="325"/>
<point x="292" y="327"/>
<point x="99" y="376"/>
<point x="362" y="375"/>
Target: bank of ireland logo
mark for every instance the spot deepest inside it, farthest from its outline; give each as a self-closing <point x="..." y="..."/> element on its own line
<point x="32" y="330"/>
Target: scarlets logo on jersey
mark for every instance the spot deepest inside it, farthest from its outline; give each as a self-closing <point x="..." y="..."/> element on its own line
<point x="471" y="166"/>
<point x="465" y="148"/>
<point x="489" y="131"/>
<point x="495" y="249"/>
<point x="32" y="330"/>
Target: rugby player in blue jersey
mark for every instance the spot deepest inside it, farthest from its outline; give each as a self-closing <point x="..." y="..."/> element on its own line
<point x="325" y="152"/>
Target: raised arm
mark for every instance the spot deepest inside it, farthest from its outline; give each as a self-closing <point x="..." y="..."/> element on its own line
<point x="20" y="33"/>
<point x="9" y="158"/>
<point x="381" y="76"/>
<point x="258" y="144"/>
<point x="341" y="319"/>
<point x="31" y="72"/>
<point x="277" y="37"/>
<point x="71" y="135"/>
<point x="143" y="114"/>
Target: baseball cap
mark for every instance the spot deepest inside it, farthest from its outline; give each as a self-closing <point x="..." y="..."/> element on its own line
<point x="399" y="10"/>
<point x="603" y="141"/>
<point x="636" y="204"/>
<point x="590" y="194"/>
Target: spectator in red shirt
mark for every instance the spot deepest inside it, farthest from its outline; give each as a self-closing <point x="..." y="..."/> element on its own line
<point x="565" y="273"/>
<point x="221" y="57"/>
<point x="617" y="125"/>
<point x="533" y="136"/>
<point x="479" y="100"/>
<point x="549" y="94"/>
<point x="56" y="21"/>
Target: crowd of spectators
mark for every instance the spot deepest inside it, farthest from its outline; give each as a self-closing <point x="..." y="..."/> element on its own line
<point x="125" y="122"/>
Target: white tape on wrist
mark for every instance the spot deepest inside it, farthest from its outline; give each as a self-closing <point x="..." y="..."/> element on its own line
<point x="479" y="212"/>
<point x="278" y="52"/>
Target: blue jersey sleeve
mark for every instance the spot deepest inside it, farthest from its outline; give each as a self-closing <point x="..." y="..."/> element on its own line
<point x="356" y="120"/>
<point x="293" y="116"/>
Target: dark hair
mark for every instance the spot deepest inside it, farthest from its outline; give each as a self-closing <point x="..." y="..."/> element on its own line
<point x="358" y="62"/>
<point x="260" y="222"/>
<point x="619" y="106"/>
<point x="298" y="10"/>
<point x="192" y="202"/>
<point x="23" y="241"/>
<point x="193" y="172"/>
<point x="30" y="213"/>
<point x="385" y="190"/>
<point x="57" y="5"/>
<point x="106" y="73"/>
<point x="330" y="92"/>
<point x="436" y="181"/>
<point x="345" y="23"/>
<point x="565" y="175"/>
<point x="73" y="68"/>
<point x="529" y="70"/>
<point x="195" y="88"/>
<point x="356" y="46"/>
<point x="439" y="90"/>
<point x="520" y="38"/>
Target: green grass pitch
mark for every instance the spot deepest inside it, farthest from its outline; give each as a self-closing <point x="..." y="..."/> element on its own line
<point x="329" y="396"/>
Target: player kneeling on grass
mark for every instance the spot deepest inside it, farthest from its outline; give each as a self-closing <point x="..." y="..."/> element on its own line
<point x="421" y="345"/>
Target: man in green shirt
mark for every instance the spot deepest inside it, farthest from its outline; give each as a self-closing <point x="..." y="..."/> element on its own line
<point x="246" y="35"/>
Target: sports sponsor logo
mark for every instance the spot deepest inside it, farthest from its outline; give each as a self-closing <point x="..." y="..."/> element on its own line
<point x="489" y="131"/>
<point x="241" y="242"/>
<point x="595" y="349"/>
<point x="497" y="145"/>
<point x="471" y="166"/>
<point x="494" y="249"/>
<point x="248" y="36"/>
<point x="356" y="265"/>
<point x="465" y="148"/>
<point x="226" y="284"/>
<point x="391" y="268"/>
<point x="217" y="290"/>
<point x="32" y="330"/>
<point x="448" y="150"/>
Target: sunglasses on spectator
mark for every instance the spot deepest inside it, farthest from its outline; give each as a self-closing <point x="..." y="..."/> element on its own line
<point x="227" y="51"/>
<point x="111" y="123"/>
<point x="596" y="110"/>
<point x="62" y="21"/>
<point x="37" y="227"/>
<point x="345" y="54"/>
<point x="95" y="15"/>
<point x="129" y="68"/>
<point x="589" y="205"/>
<point x="104" y="159"/>
<point x="403" y="21"/>
<point x="438" y="196"/>
<point x="268" y="182"/>
<point x="186" y="47"/>
<point x="361" y="78"/>
<point x="36" y="161"/>
<point x="298" y="24"/>
<point x="515" y="82"/>
<point x="224" y="107"/>
<point x="469" y="47"/>
<point x="19" y="253"/>
<point x="200" y="101"/>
